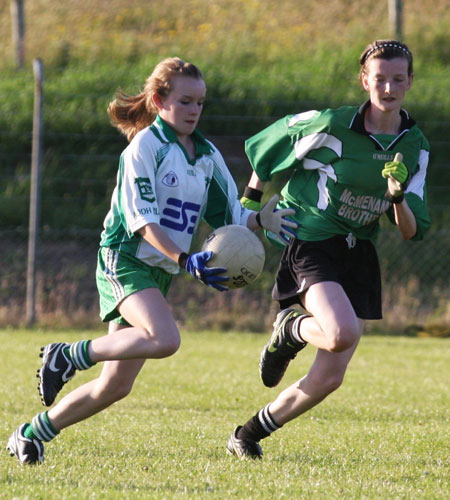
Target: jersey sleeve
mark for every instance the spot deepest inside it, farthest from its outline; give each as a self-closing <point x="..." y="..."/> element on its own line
<point x="416" y="197"/>
<point x="270" y="151"/>
<point x="223" y="206"/>
<point x="285" y="143"/>
<point x="137" y="184"/>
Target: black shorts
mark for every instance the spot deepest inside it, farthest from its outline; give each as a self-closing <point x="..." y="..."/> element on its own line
<point x="355" y="268"/>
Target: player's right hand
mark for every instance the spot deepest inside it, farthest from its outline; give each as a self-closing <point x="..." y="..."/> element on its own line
<point x="277" y="221"/>
<point x="196" y="266"/>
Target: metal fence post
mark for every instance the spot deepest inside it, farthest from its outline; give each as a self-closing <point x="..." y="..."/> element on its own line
<point x="396" y="18"/>
<point x="35" y="191"/>
<point x="18" y="31"/>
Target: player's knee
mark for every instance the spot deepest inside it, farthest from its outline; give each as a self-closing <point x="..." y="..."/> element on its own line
<point x="121" y="391"/>
<point x="326" y="382"/>
<point x="166" y="346"/>
<point x="162" y="344"/>
<point x="332" y="382"/>
<point x="340" y="344"/>
<point x="115" y="390"/>
<point x="169" y="347"/>
<point x="343" y="337"/>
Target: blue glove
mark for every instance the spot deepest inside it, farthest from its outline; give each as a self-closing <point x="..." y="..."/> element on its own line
<point x="195" y="265"/>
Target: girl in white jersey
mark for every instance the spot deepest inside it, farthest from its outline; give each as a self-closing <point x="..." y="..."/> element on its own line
<point x="169" y="178"/>
<point x="345" y="175"/>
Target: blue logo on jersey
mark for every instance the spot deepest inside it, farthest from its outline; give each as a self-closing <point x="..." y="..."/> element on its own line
<point x="178" y="217"/>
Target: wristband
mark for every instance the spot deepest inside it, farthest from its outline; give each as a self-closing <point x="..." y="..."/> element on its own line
<point x="394" y="199"/>
<point x="258" y="219"/>
<point x="182" y="259"/>
<point x="253" y="194"/>
<point x="398" y="199"/>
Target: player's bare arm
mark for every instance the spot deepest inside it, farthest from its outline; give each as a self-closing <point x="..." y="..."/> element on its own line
<point x="405" y="220"/>
<point x="153" y="234"/>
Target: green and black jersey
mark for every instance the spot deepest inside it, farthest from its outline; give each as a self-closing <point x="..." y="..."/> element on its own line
<point x="336" y="186"/>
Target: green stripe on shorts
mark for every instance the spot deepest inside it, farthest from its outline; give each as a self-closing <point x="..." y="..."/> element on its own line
<point x="119" y="275"/>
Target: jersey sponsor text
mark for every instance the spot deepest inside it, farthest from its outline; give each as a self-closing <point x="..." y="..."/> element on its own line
<point x="363" y="209"/>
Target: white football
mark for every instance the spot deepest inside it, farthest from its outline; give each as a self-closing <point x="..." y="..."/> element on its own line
<point x="239" y="250"/>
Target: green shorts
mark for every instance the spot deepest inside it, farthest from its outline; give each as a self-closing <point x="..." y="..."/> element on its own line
<point x="119" y="275"/>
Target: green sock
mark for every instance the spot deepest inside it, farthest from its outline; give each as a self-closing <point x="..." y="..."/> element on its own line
<point x="42" y="428"/>
<point x="28" y="432"/>
<point x="78" y="353"/>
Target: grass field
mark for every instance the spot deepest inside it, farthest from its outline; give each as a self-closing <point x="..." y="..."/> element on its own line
<point x="383" y="435"/>
<point x="261" y="60"/>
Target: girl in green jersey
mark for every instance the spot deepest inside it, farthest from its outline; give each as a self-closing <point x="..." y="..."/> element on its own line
<point x="349" y="166"/>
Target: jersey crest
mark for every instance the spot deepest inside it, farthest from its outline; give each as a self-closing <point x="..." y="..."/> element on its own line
<point x="145" y="189"/>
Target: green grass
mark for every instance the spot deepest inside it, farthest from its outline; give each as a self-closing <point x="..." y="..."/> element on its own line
<point x="254" y="54"/>
<point x="261" y="60"/>
<point x="383" y="435"/>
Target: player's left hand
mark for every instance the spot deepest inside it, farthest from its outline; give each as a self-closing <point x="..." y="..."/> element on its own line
<point x="277" y="221"/>
<point x="397" y="175"/>
<point x="395" y="169"/>
<point x="196" y="266"/>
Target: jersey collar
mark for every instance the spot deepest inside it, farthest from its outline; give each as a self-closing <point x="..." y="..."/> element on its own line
<point x="167" y="134"/>
<point x="357" y="124"/>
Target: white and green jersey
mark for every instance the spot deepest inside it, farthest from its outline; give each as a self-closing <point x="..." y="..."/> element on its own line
<point x="158" y="183"/>
<point x="336" y="186"/>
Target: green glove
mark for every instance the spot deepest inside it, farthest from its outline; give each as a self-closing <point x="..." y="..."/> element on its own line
<point x="395" y="169"/>
<point x="398" y="178"/>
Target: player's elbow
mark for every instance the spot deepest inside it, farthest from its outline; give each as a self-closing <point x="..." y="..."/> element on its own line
<point x="407" y="235"/>
<point x="407" y="230"/>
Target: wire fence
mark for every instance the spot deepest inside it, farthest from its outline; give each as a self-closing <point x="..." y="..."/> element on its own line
<point x="415" y="274"/>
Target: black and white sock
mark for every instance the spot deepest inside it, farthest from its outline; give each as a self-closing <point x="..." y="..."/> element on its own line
<point x="294" y="329"/>
<point x="259" y="426"/>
